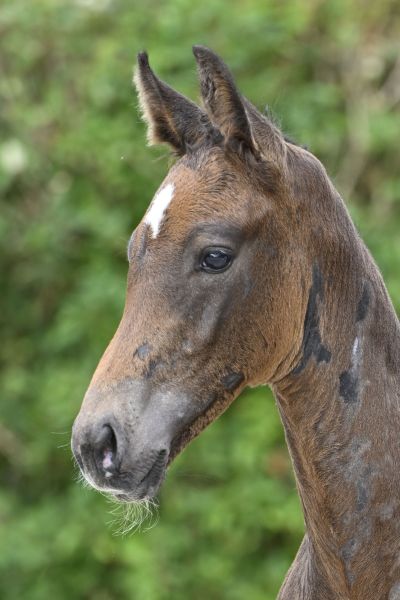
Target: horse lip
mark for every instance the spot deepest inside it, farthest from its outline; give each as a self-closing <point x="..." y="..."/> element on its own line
<point x="157" y="468"/>
<point x="122" y="497"/>
<point x="150" y="483"/>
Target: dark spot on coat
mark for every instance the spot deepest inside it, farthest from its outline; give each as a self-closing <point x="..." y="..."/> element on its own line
<point x="348" y="549"/>
<point x="151" y="367"/>
<point x="142" y="351"/>
<point x="232" y="381"/>
<point x="323" y="354"/>
<point x="348" y="387"/>
<point x="362" y="307"/>
<point x="312" y="344"/>
<point x="362" y="496"/>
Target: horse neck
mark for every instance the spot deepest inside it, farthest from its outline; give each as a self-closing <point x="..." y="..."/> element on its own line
<point x="340" y="411"/>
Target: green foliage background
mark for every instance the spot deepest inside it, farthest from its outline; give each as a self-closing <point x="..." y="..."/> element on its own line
<point x="75" y="178"/>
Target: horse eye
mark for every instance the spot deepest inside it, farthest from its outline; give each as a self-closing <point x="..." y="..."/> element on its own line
<point x="216" y="260"/>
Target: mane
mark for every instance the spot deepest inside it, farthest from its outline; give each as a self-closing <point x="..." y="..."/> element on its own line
<point x="273" y="118"/>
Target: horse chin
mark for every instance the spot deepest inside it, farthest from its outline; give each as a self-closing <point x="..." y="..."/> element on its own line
<point x="135" y="496"/>
<point x="141" y="494"/>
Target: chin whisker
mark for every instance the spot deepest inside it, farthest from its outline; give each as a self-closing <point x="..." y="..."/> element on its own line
<point x="128" y="517"/>
<point x="78" y="476"/>
<point x="131" y="517"/>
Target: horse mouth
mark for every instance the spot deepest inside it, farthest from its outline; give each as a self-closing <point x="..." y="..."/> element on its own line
<point x="148" y="486"/>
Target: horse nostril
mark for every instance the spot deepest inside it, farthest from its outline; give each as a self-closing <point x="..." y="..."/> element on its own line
<point x="106" y="450"/>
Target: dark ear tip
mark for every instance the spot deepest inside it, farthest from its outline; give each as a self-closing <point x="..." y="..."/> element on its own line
<point x="202" y="52"/>
<point x="197" y="48"/>
<point x="143" y="59"/>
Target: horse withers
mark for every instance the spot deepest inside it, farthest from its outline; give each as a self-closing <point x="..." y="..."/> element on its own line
<point x="247" y="270"/>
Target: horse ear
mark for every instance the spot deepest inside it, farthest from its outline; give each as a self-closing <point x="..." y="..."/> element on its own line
<point x="222" y="100"/>
<point x="171" y="118"/>
<point x="238" y="120"/>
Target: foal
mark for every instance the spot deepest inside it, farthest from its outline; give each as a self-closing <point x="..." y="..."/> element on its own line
<point x="247" y="270"/>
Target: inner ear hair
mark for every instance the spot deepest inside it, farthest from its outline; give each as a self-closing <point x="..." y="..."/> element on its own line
<point x="171" y="118"/>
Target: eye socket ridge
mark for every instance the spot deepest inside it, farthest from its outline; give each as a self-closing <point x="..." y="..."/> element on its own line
<point x="216" y="259"/>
